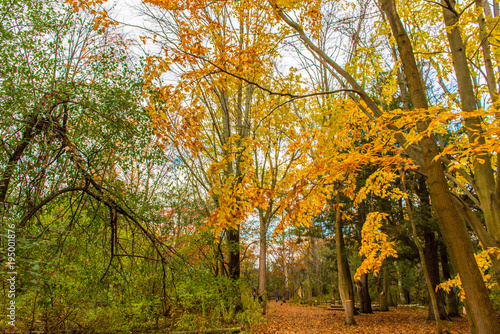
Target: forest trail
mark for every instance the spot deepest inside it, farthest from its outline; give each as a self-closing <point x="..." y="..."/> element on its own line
<point x="298" y="319"/>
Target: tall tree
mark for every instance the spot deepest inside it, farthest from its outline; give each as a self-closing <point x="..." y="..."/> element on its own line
<point x="453" y="228"/>
<point x="451" y="225"/>
<point x="220" y="113"/>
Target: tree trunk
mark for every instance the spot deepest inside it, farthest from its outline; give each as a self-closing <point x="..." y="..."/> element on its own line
<point x="425" y="266"/>
<point x="431" y="259"/>
<point x="430" y="249"/>
<point x="365" y="302"/>
<point x="453" y="229"/>
<point x="262" y="262"/>
<point x="334" y="298"/>
<point x="287" y="283"/>
<point x="309" y="287"/>
<point x="482" y="234"/>
<point x="286" y="274"/>
<point x="232" y="234"/>
<point x="345" y="281"/>
<point x="401" y="290"/>
<point x="384" y="307"/>
<point x="484" y="9"/>
<point x="390" y="300"/>
<point x="483" y="174"/>
<point x="451" y="297"/>
<point x="28" y="134"/>
<point x="233" y="240"/>
<point x="313" y="268"/>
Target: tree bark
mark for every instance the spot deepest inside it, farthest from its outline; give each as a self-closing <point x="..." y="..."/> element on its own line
<point x="286" y="295"/>
<point x="384" y="307"/>
<point x="262" y="261"/>
<point x="431" y="259"/>
<point x="390" y="300"/>
<point x="284" y="256"/>
<point x="365" y="302"/>
<point x="484" y="9"/>
<point x="28" y="135"/>
<point x="345" y="281"/>
<point x="233" y="240"/>
<point x="401" y="290"/>
<point x="478" y="227"/>
<point x="451" y="297"/>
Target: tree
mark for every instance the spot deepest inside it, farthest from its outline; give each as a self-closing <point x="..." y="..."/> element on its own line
<point x="272" y="166"/>
<point x="239" y="137"/>
<point x="453" y="229"/>
<point x="62" y="76"/>
<point x="456" y="238"/>
<point x="216" y="117"/>
<point x="79" y="171"/>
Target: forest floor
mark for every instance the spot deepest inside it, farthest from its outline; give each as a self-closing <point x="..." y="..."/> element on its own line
<point x="299" y="319"/>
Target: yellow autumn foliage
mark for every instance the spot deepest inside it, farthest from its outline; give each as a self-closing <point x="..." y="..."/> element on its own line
<point x="375" y="246"/>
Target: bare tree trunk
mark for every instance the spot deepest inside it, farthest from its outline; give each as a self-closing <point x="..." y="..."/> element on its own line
<point x="334" y="298"/>
<point x="318" y="277"/>
<point x="402" y="294"/>
<point x="431" y="259"/>
<point x="233" y="240"/>
<point x="287" y="281"/>
<point x="262" y="261"/>
<point x="451" y="297"/>
<point x="309" y="286"/>
<point x="430" y="247"/>
<point x="384" y="307"/>
<point x="365" y="302"/>
<point x="484" y="237"/>
<point x="403" y="89"/>
<point x="428" y="280"/>
<point x="390" y="301"/>
<point x="345" y="281"/>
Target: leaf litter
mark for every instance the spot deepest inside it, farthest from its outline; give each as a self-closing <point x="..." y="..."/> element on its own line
<point x="286" y="318"/>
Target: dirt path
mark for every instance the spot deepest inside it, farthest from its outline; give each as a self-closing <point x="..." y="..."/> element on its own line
<point x="293" y="319"/>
